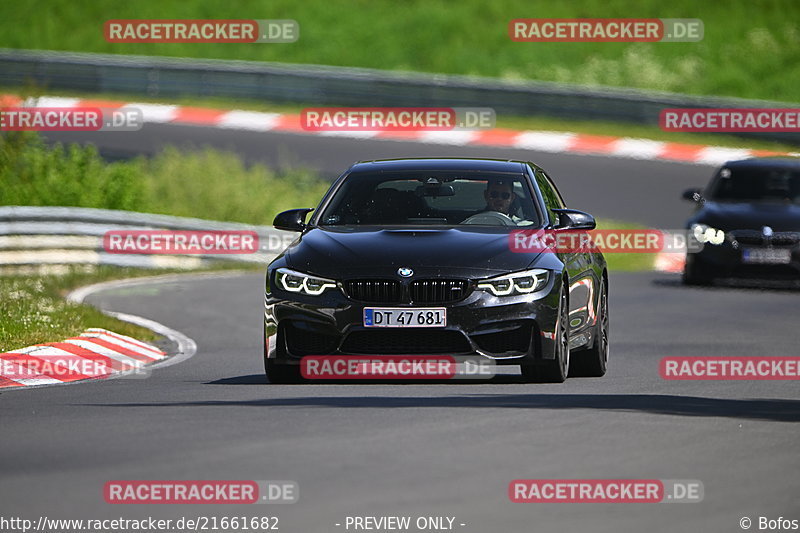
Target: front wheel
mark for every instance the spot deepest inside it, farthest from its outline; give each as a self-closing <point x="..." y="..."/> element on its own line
<point x="282" y="374"/>
<point x="554" y="370"/>
<point x="696" y="273"/>
<point x="594" y="361"/>
<point x="276" y="372"/>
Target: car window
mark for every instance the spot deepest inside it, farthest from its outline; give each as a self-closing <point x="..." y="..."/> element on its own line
<point x="550" y="194"/>
<point x="755" y="184"/>
<point x="431" y="198"/>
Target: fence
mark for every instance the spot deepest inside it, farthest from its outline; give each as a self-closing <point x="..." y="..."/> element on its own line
<point x="72" y="235"/>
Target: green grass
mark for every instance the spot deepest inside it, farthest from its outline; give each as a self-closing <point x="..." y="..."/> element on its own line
<point x="207" y="184"/>
<point x="33" y="309"/>
<point x="750" y="49"/>
<point x="591" y="127"/>
<point x="626" y="262"/>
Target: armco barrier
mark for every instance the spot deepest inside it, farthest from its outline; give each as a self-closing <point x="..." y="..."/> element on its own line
<point x="322" y="85"/>
<point x="74" y="235"/>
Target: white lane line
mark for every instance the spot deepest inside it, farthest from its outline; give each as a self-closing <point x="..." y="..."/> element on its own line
<point x="638" y="148"/>
<point x="456" y="138"/>
<point x="81" y="293"/>
<point x="186" y="346"/>
<point x="249" y="120"/>
<point x="151" y="353"/>
<point x="19" y="372"/>
<point x="714" y="155"/>
<point x="63" y="359"/>
<point x="51" y="101"/>
<point x="544" y="141"/>
<point x="154" y="112"/>
<point x="26" y="351"/>
<point x="131" y="340"/>
<point x="102" y="350"/>
<point x="32" y="382"/>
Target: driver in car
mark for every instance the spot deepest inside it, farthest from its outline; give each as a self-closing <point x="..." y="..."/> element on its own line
<point x="499" y="196"/>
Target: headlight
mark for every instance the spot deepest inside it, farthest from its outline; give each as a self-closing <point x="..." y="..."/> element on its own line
<point x="517" y="283"/>
<point x="293" y="281"/>
<point x="706" y="234"/>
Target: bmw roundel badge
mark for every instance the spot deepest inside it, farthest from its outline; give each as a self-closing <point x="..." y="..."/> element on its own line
<point x="405" y="272"/>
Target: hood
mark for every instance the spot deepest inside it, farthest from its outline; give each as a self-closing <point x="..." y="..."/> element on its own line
<point x="756" y="215"/>
<point x="461" y="252"/>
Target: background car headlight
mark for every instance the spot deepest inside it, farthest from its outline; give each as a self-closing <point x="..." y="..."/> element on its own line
<point x="293" y="281"/>
<point x="517" y="283"/>
<point x="706" y="234"/>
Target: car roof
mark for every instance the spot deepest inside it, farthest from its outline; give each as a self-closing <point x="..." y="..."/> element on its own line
<point x="441" y="163"/>
<point x="784" y="161"/>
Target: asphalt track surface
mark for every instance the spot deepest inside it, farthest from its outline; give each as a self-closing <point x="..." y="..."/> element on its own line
<point x="429" y="449"/>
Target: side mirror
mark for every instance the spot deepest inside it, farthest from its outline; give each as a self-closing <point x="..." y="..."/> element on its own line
<point x="693" y="195"/>
<point x="574" y="219"/>
<point x="292" y="220"/>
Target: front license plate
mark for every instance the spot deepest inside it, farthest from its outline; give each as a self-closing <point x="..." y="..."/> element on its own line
<point x="398" y="317"/>
<point x="767" y="256"/>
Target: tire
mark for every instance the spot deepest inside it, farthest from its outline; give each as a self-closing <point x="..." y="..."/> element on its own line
<point x="282" y="374"/>
<point x="593" y="362"/>
<point x="278" y="373"/>
<point x="554" y="370"/>
<point x="695" y="273"/>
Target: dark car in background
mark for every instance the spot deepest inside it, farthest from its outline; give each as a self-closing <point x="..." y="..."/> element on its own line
<point x="748" y="219"/>
<point x="412" y="257"/>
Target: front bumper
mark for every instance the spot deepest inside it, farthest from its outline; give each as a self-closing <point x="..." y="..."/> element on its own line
<point x="510" y="330"/>
<point x="726" y="260"/>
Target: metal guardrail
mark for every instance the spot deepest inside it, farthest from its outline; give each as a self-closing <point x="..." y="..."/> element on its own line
<point x="322" y="85"/>
<point x="74" y="235"/>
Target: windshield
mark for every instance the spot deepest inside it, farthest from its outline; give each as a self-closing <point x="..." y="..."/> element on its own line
<point x="756" y="184"/>
<point x="432" y="198"/>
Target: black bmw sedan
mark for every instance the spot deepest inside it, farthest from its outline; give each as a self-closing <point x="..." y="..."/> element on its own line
<point x="748" y="219"/>
<point x="413" y="257"/>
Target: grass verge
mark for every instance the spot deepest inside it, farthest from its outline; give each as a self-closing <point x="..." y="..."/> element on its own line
<point x="207" y="184"/>
<point x="626" y="262"/>
<point x="749" y="49"/>
<point x="33" y="308"/>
